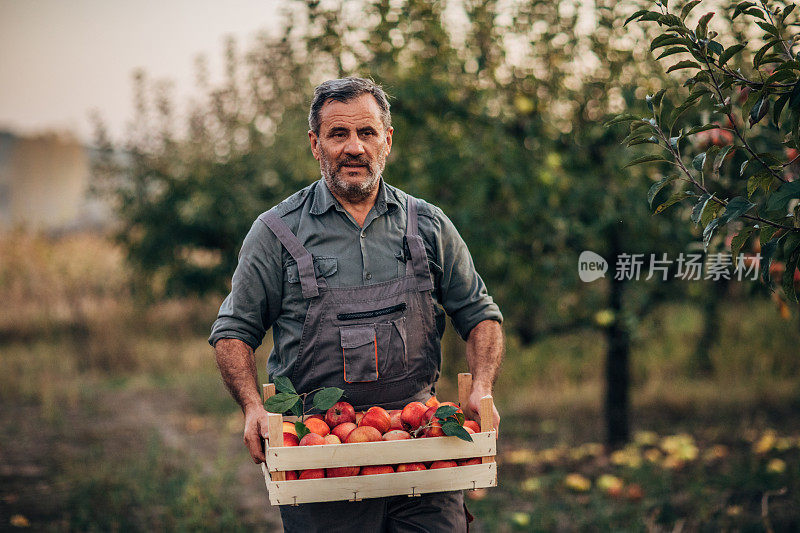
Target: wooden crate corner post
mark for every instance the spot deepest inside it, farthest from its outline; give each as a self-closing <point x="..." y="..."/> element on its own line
<point x="487" y="420"/>
<point x="274" y="433"/>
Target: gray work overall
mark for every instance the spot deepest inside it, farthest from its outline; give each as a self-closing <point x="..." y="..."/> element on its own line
<point x="378" y="343"/>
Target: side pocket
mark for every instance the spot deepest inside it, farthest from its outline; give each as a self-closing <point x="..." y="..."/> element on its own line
<point x="392" y="356"/>
<point x="360" y="353"/>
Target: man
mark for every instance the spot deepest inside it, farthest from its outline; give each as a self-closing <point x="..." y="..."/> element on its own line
<point x="354" y="277"/>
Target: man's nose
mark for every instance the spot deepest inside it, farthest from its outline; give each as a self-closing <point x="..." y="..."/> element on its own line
<point x="354" y="146"/>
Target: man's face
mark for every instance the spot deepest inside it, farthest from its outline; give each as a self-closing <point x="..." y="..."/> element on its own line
<point x="351" y="147"/>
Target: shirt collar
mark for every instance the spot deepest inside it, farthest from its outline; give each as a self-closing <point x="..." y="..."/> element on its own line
<point x="324" y="200"/>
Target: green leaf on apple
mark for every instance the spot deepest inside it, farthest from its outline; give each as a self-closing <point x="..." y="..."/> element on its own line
<point x="451" y="428"/>
<point x="445" y="411"/>
<point x="327" y="397"/>
<point x="284" y="384"/>
<point x="302" y="429"/>
<point x="281" y="402"/>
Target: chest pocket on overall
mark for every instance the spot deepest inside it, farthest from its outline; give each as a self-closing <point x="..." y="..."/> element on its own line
<point x="376" y="349"/>
<point x="323" y="267"/>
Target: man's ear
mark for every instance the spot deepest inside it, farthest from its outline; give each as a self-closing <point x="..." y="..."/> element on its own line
<point x="314" y="140"/>
<point x="389" y="133"/>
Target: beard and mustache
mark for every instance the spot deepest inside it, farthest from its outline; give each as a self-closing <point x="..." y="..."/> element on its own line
<point x="353" y="192"/>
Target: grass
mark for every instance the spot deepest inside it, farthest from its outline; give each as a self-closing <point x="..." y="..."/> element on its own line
<point x="115" y="417"/>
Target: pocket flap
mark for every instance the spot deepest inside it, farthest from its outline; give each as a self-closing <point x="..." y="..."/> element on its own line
<point x="355" y="336"/>
<point x="323" y="267"/>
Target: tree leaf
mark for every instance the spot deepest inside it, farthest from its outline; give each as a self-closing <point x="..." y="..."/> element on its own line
<point x="698" y="129"/>
<point x="761" y="180"/>
<point x="760" y="110"/>
<point x="788" y="274"/>
<point x="708" y="232"/>
<point x="794" y="97"/>
<point x="634" y="16"/>
<point x="736" y="207"/>
<point x="702" y="25"/>
<point x="645" y="159"/>
<point x="460" y="418"/>
<point x="666" y="40"/>
<point x="281" y="402"/>
<point x="619" y="119"/>
<point x="769" y="28"/>
<point x="767" y="251"/>
<point x="698" y="161"/>
<point x="683" y="64"/>
<point x="301" y="429"/>
<point x="688" y="8"/>
<point x="779" y="104"/>
<point x="672" y="51"/>
<point x="708" y="162"/>
<point x="675" y="198"/>
<point x="284" y="384"/>
<point x="324" y="399"/>
<point x="740" y="7"/>
<point x="725" y="56"/>
<point x="710" y="212"/>
<point x="451" y="428"/>
<point x="739" y="241"/>
<point x="445" y="411"/>
<point x="656" y="188"/>
<point x="779" y="199"/>
<point x="697" y="210"/>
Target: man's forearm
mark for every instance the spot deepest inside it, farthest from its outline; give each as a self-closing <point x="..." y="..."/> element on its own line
<point x="485" y="350"/>
<point x="237" y="365"/>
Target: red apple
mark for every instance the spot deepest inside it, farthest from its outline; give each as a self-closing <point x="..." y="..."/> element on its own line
<point x="413" y="413"/>
<point x="470" y="461"/>
<point x="396" y="434"/>
<point x="476" y="428"/>
<point x="396" y="420"/>
<point x="312" y="439"/>
<point x="291" y="475"/>
<point x="363" y="434"/>
<point x="376" y="469"/>
<point x="443" y="464"/>
<point x="378" y="418"/>
<point x="434" y="430"/>
<point x="332" y="439"/>
<point x="318" y="426"/>
<point x="290" y="439"/>
<point x="340" y="413"/>
<point x="410" y="467"/>
<point x="343" y="430"/>
<point x="312" y="473"/>
<point x="342" y="471"/>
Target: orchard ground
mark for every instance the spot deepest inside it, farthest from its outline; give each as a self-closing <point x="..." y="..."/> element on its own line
<point x="114" y="416"/>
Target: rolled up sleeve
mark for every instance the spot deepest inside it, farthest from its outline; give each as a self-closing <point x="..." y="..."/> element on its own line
<point x="254" y="301"/>
<point x="461" y="291"/>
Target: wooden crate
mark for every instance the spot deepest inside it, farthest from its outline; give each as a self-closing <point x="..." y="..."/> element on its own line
<point x="354" y="488"/>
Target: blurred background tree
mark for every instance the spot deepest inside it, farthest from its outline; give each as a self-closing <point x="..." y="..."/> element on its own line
<point x="498" y="117"/>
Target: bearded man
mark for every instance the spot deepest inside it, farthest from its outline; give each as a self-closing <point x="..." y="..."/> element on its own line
<point x="354" y="277"/>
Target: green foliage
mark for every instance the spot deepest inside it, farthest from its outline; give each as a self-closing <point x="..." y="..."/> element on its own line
<point x="737" y="96"/>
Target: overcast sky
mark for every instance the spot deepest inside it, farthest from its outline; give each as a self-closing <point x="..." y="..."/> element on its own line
<point x="59" y="59"/>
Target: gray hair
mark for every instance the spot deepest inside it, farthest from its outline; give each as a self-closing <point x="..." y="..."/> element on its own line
<point x="344" y="90"/>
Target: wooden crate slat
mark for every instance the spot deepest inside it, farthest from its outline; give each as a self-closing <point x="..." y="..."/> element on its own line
<point x="380" y="453"/>
<point x="381" y="485"/>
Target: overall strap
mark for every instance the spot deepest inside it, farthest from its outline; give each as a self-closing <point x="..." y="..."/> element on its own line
<point x="305" y="262"/>
<point x="418" y="265"/>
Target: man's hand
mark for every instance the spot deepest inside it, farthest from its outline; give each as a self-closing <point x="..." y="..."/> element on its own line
<point x="256" y="437"/>
<point x="485" y="349"/>
<point x="472" y="410"/>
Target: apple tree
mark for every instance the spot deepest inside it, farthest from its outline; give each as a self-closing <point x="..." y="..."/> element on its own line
<point x="738" y="64"/>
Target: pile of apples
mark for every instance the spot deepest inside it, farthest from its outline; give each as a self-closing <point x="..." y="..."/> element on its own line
<point x="343" y="425"/>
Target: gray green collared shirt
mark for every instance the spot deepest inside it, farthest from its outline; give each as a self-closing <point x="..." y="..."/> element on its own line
<point x="265" y="290"/>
